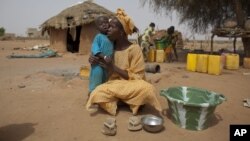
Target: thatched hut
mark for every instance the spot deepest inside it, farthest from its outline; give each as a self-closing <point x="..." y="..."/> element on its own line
<point x="74" y="29"/>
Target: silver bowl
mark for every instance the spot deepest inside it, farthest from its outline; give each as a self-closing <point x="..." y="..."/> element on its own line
<point x="152" y="123"/>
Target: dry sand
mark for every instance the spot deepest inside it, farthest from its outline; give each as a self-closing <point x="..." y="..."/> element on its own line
<point x="43" y="100"/>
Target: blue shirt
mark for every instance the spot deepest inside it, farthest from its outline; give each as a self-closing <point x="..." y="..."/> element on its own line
<point x="102" y="44"/>
<point x="99" y="75"/>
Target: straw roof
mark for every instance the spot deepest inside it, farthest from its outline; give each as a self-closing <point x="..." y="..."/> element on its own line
<point x="80" y="14"/>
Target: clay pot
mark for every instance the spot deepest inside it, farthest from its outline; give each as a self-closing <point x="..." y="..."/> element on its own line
<point x="229" y="23"/>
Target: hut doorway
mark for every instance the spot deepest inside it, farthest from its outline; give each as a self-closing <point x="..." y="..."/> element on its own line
<point x="73" y="43"/>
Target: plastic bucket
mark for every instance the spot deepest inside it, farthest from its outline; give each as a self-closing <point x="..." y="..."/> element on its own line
<point x="160" y="44"/>
<point x="191" y="108"/>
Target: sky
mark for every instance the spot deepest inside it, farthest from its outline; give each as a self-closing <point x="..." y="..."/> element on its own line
<point x="18" y="15"/>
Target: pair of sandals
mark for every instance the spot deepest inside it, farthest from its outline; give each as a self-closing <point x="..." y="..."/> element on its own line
<point x="110" y="127"/>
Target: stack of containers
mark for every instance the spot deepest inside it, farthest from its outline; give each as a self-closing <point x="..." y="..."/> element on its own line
<point x="211" y="64"/>
<point x="160" y="54"/>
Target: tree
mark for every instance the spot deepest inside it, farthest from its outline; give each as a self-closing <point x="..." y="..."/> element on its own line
<point x="2" y="31"/>
<point x="202" y="15"/>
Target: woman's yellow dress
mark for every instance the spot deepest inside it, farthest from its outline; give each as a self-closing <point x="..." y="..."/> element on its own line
<point x="135" y="91"/>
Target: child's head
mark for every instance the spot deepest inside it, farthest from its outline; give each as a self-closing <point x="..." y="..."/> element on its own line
<point x="102" y="24"/>
<point x="170" y="30"/>
<point x="152" y="25"/>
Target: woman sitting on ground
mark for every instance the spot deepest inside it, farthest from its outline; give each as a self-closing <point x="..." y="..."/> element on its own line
<point x="127" y="81"/>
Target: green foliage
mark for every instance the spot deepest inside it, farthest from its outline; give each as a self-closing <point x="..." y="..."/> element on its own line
<point x="2" y="31"/>
<point x="200" y="15"/>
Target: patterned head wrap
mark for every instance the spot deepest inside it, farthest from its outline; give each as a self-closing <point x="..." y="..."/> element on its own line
<point x="126" y="21"/>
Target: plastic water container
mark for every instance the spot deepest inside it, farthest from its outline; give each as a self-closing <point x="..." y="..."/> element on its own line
<point x="161" y="44"/>
<point x="160" y="56"/>
<point x="192" y="108"/>
<point x="202" y="60"/>
<point x="191" y="62"/>
<point x="151" y="55"/>
<point x="246" y="63"/>
<point x="85" y="72"/>
<point x="214" y="64"/>
<point x="232" y="61"/>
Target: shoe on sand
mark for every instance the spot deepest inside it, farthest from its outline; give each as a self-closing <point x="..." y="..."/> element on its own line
<point x="134" y="123"/>
<point x="246" y="102"/>
<point x="109" y="127"/>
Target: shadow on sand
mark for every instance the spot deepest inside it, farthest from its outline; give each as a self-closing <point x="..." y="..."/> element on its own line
<point x="16" y="132"/>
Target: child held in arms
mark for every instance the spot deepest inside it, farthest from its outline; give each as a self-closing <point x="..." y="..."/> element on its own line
<point x="102" y="47"/>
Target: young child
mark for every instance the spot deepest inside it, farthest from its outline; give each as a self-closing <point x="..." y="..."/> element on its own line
<point x="102" y="47"/>
<point x="147" y="40"/>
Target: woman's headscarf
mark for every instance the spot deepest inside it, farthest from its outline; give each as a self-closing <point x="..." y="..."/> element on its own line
<point x="126" y="21"/>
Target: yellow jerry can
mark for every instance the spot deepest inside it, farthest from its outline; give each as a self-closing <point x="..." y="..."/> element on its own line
<point x="85" y="72"/>
<point x="214" y="65"/>
<point x="202" y="60"/>
<point x="160" y="56"/>
<point x="232" y="61"/>
<point x="151" y="55"/>
<point x="191" y="62"/>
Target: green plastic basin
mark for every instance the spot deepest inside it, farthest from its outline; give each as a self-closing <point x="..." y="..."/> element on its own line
<point x="191" y="108"/>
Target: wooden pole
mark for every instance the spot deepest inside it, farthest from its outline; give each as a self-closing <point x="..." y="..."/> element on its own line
<point x="235" y="44"/>
<point x="212" y="49"/>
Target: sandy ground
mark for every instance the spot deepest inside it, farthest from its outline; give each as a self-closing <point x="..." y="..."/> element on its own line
<point x="43" y="100"/>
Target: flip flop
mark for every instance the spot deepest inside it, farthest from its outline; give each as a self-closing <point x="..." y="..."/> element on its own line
<point x="109" y="127"/>
<point x="246" y="102"/>
<point x="134" y="123"/>
<point x="93" y="108"/>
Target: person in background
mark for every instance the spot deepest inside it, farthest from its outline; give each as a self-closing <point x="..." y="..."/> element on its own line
<point x="147" y="40"/>
<point x="102" y="48"/>
<point x="127" y="81"/>
<point x="174" y="37"/>
<point x="171" y="43"/>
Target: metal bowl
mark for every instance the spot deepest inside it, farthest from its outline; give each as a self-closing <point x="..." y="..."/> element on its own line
<point x="152" y="123"/>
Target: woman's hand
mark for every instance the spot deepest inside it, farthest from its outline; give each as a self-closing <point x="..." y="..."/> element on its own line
<point x="94" y="59"/>
<point x="107" y="63"/>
